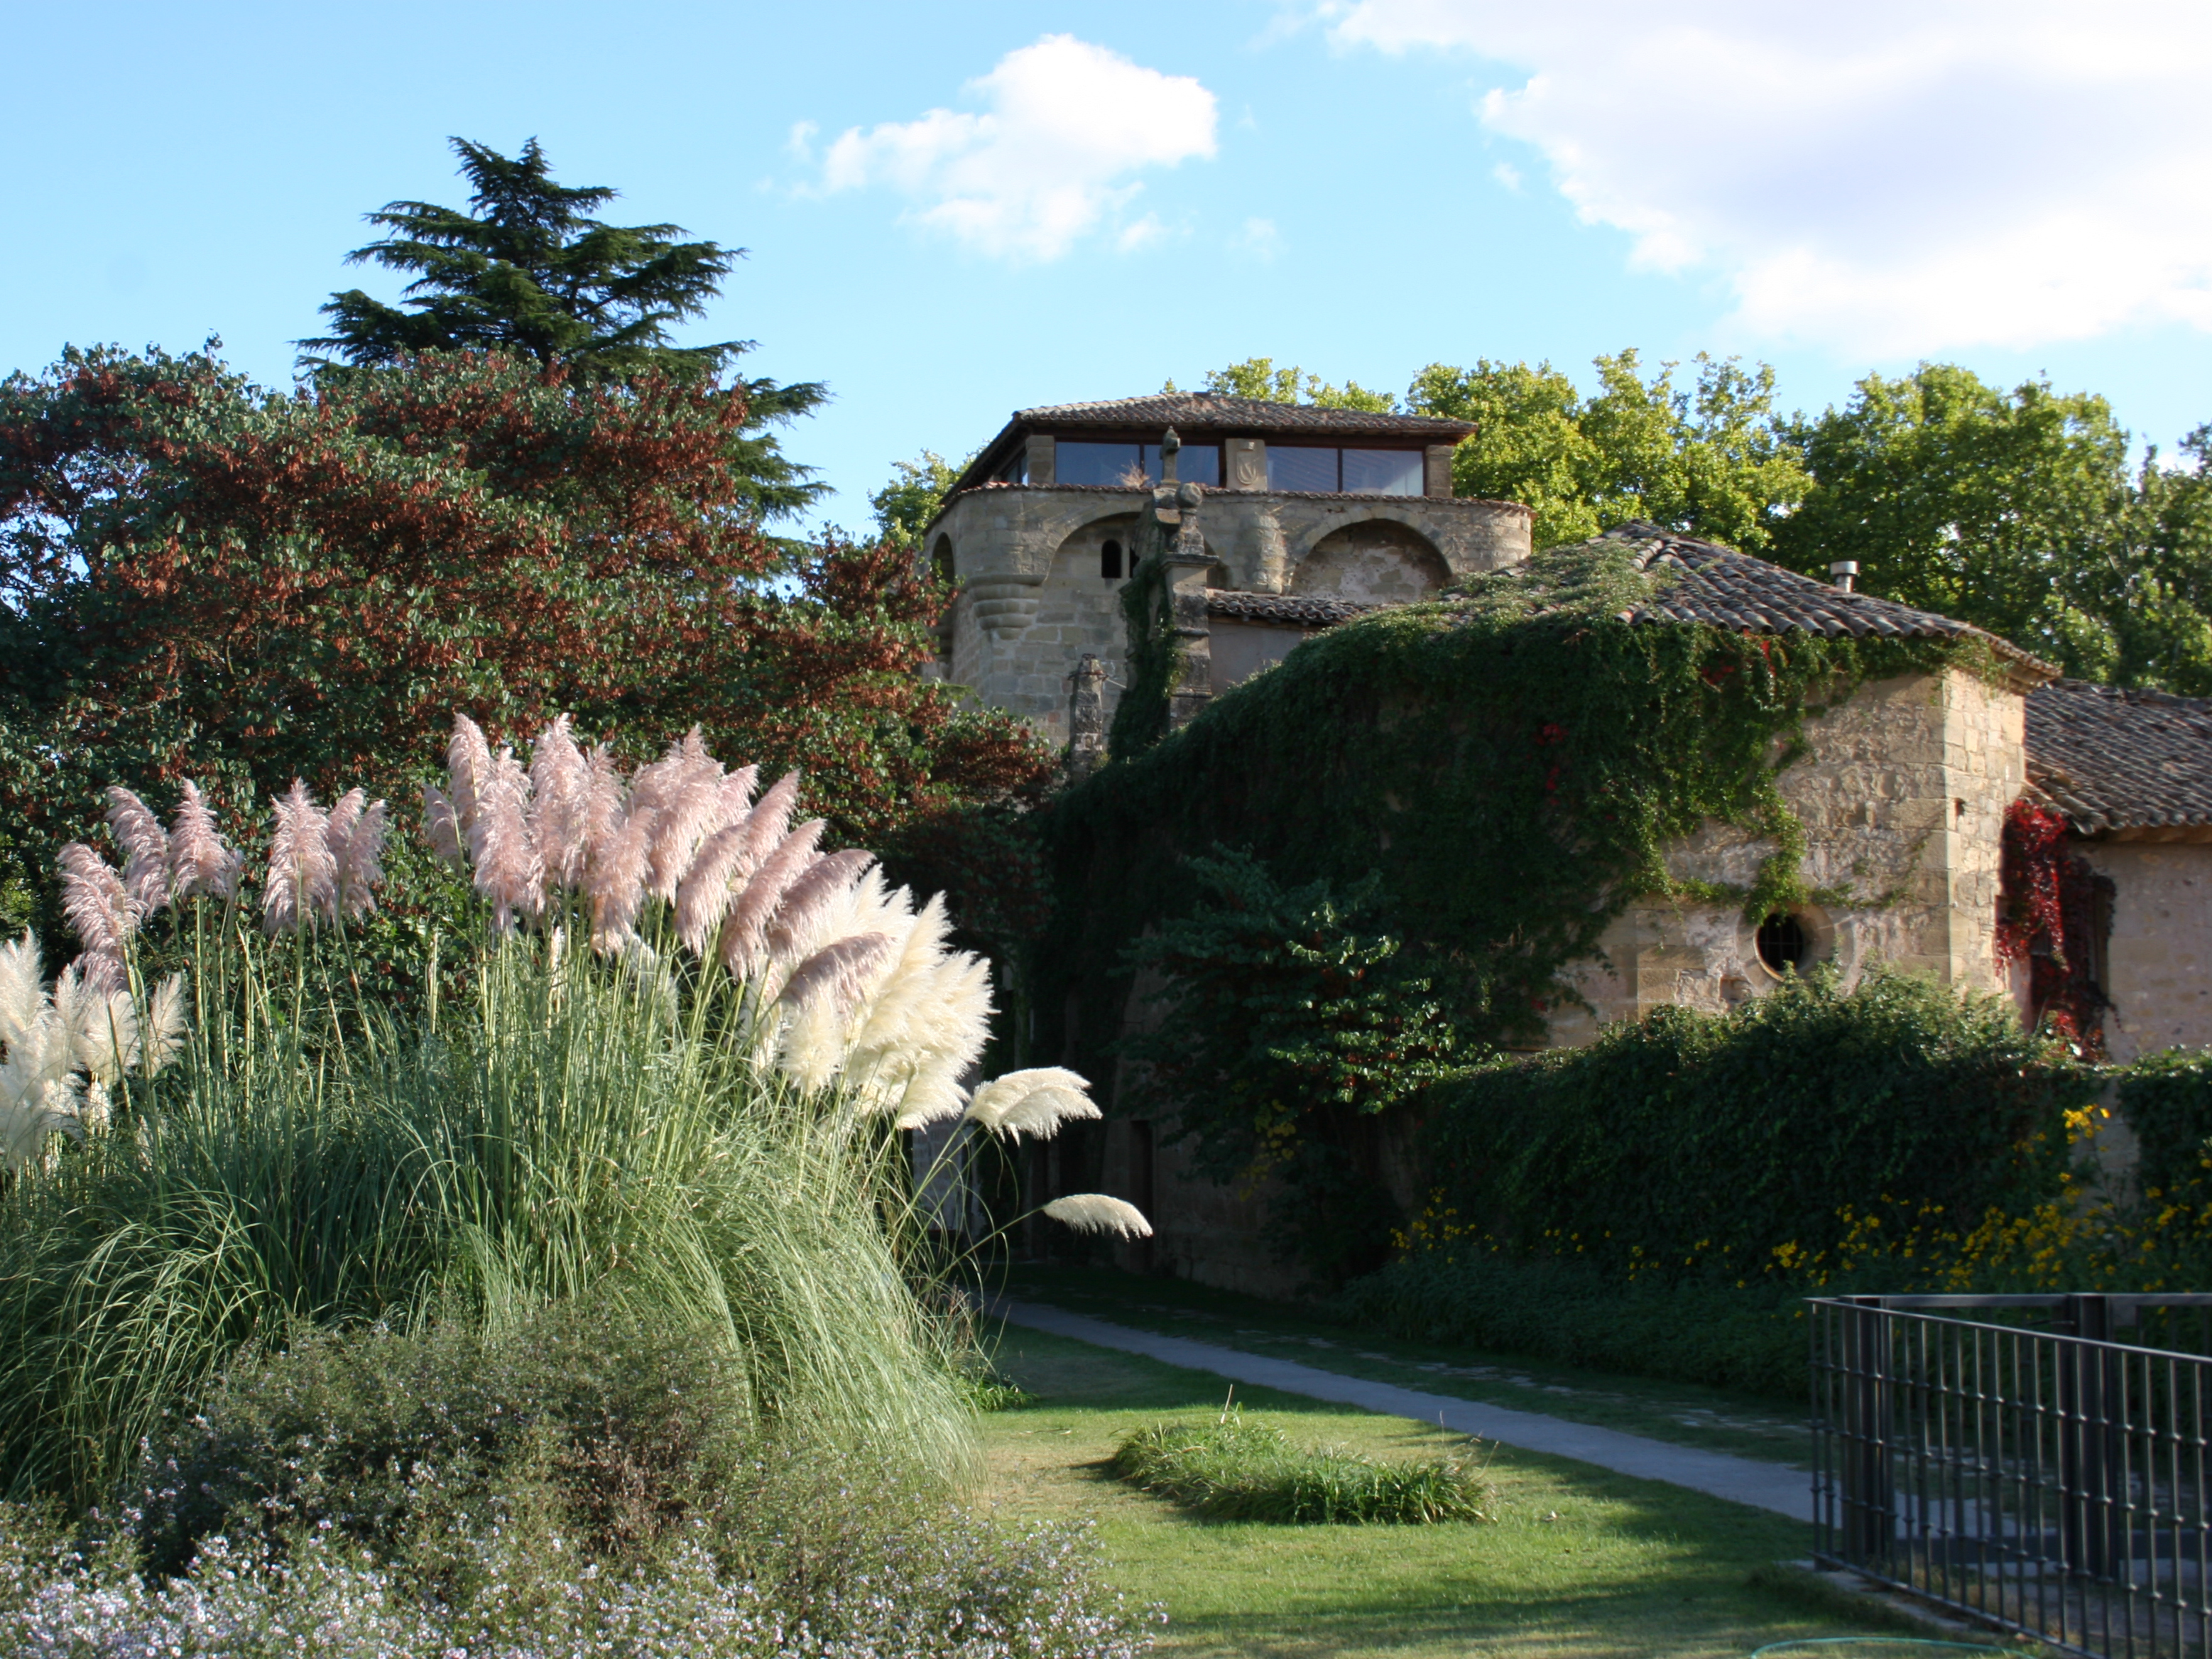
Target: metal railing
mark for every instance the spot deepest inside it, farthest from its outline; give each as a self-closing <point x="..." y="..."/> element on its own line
<point x="2022" y="1465"/>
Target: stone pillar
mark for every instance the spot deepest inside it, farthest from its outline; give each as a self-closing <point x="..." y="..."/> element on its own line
<point x="1436" y="469"/>
<point x="1186" y="562"/>
<point x="1244" y="464"/>
<point x="1040" y="460"/>
<point x="1086" y="718"/>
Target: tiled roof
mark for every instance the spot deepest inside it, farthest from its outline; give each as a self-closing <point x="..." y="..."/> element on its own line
<point x="1285" y="609"/>
<point x="1189" y="412"/>
<point x="1728" y="589"/>
<point x="2121" y="761"/>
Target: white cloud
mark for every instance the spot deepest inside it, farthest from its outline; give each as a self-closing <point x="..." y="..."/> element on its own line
<point x="1894" y="177"/>
<point x="1261" y="239"/>
<point x="1065" y="124"/>
<point x="1141" y="234"/>
<point x="1508" y="175"/>
<point x="800" y="142"/>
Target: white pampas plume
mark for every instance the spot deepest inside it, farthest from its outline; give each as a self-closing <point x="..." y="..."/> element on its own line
<point x="744" y="935"/>
<point x="201" y="864"/>
<point x="94" y="898"/>
<point x="616" y="879"/>
<point x="1095" y="1213"/>
<point x="468" y="774"/>
<point x="603" y="805"/>
<point x="163" y="1033"/>
<point x="22" y="989"/>
<point x="302" y="872"/>
<point x="101" y="1020"/>
<point x="346" y="812"/>
<point x="559" y="804"/>
<point x="360" y="853"/>
<point x="509" y="871"/>
<point x="145" y="847"/>
<point x="31" y="1111"/>
<point x="1034" y="1103"/>
<point x="442" y="825"/>
<point x="798" y="925"/>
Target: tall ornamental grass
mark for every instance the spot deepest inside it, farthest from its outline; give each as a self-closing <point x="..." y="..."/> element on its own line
<point x="678" y="1080"/>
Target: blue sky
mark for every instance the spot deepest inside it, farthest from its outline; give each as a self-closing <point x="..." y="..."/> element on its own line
<point x="956" y="210"/>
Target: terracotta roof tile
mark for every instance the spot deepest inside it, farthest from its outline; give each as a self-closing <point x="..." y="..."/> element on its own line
<point x="1288" y="610"/>
<point x="2112" y="759"/>
<point x="1195" y="412"/>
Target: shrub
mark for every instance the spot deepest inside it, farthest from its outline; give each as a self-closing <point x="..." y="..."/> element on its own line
<point x="1233" y="1470"/>
<point x="2167" y="1099"/>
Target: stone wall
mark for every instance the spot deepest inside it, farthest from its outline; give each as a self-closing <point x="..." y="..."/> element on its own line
<point x="1903" y="794"/>
<point x="2158" y="962"/>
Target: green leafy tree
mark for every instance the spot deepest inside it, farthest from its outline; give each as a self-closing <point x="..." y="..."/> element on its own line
<point x="2018" y="510"/>
<point x="1709" y="459"/>
<point x="904" y="507"/>
<point x="1286" y="1030"/>
<point x="1258" y="377"/>
<point x="527" y="271"/>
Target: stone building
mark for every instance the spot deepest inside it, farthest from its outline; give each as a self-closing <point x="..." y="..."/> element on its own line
<point x="1306" y="516"/>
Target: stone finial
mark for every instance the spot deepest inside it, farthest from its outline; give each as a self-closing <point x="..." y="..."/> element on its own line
<point x="1086" y="717"/>
<point x="1170" y="447"/>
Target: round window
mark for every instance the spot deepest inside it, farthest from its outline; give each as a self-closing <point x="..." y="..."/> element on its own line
<point x="1783" y="942"/>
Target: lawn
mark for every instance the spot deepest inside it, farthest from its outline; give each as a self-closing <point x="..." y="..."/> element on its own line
<point x="1577" y="1561"/>
<point x="1747" y="1426"/>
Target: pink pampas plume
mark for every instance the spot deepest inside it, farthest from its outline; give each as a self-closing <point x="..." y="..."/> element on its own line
<point x="95" y="900"/>
<point x="792" y="930"/>
<point x="442" y="825"/>
<point x="841" y="971"/>
<point x="560" y="805"/>
<point x="616" y="879"/>
<point x="737" y="794"/>
<point x="302" y="871"/>
<point x="744" y="935"/>
<point x="359" y="848"/>
<point x="200" y="865"/>
<point x="509" y="871"/>
<point x="702" y="897"/>
<point x="145" y="847"/>
<point x="603" y="805"/>
<point x="468" y="773"/>
<point x="771" y="819"/>
<point x="692" y="811"/>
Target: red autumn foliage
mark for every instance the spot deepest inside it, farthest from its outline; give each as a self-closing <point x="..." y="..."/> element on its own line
<point x="2047" y="917"/>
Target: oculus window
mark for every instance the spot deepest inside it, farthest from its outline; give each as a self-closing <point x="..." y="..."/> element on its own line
<point x="1133" y="465"/>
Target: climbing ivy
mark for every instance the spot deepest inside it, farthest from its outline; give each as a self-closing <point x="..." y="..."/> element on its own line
<point x="1510" y="762"/>
<point x="1140" y="718"/>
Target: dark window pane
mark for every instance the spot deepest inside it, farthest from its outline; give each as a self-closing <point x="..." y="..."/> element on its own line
<point x="1109" y="561"/>
<point x="1382" y="471"/>
<point x="1016" y="471"/>
<point x="1094" y="464"/>
<point x="1196" y="464"/>
<point x="1301" y="469"/>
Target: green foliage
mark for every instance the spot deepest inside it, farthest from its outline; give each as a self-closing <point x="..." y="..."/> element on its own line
<point x="1513" y="762"/>
<point x="2012" y="510"/>
<point x="1258" y="377"/>
<point x="2167" y="1099"/>
<point x="1713" y="459"/>
<point x="1283" y="1026"/>
<point x="904" y="507"/>
<point x="1151" y="661"/>
<point x="1233" y="1470"/>
<point x="1684" y="1143"/>
<point x="314" y="1157"/>
<point x="1750" y="1337"/>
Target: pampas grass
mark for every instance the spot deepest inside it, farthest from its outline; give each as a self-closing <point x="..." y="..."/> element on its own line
<point x="145" y="847"/>
<point x="302" y="874"/>
<point x="1095" y="1213"/>
<point x="98" y="905"/>
<point x="201" y="864"/>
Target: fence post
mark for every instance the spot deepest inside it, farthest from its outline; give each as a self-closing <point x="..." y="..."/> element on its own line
<point x="1870" y="1504"/>
<point x="2087" y="1512"/>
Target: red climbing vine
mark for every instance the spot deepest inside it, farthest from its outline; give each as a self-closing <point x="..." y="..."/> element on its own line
<point x="2048" y="914"/>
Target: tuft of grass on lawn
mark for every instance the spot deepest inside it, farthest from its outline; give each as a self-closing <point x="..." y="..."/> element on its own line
<point x="1577" y="1563"/>
<point x="1233" y="1470"/>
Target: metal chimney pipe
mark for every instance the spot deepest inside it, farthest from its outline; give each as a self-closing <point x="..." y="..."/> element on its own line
<point x="1844" y="572"/>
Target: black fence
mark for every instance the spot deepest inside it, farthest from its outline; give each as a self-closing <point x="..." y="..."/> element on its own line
<point x="2009" y="1456"/>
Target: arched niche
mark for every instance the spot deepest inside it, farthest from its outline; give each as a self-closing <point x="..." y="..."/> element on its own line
<point x="1375" y="561"/>
<point x="1079" y="559"/>
<point x="941" y="561"/>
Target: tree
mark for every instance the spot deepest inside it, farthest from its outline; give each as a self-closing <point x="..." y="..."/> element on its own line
<point x="2009" y="509"/>
<point x="904" y="507"/>
<point x="1258" y="377"/>
<point x="525" y="272"/>
<point x="196" y="572"/>
<point x="1713" y="460"/>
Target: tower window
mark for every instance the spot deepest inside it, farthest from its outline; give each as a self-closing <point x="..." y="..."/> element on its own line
<point x="1109" y="561"/>
<point x="1782" y="943"/>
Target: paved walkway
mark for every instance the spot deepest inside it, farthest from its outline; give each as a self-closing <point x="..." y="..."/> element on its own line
<point x="1739" y="1479"/>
